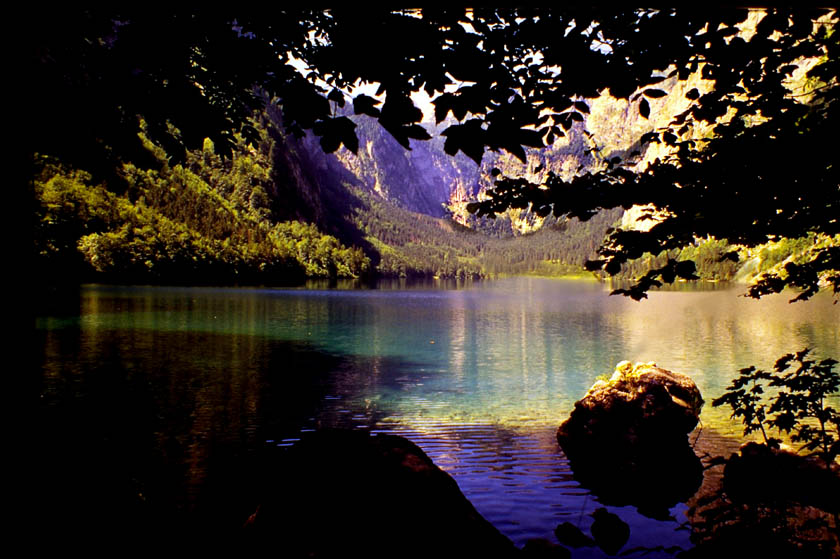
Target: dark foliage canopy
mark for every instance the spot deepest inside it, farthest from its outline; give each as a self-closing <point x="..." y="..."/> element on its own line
<point x="502" y="79"/>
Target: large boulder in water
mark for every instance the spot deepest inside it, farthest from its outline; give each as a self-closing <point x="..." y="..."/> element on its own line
<point x="639" y="404"/>
<point x="341" y="493"/>
<point x="636" y="423"/>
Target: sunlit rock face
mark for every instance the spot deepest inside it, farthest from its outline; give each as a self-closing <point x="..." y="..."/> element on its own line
<point x="342" y="493"/>
<point x="627" y="438"/>
<point x="637" y="403"/>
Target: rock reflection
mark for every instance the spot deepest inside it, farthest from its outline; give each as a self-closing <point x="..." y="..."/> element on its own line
<point x="627" y="439"/>
<point x="653" y="484"/>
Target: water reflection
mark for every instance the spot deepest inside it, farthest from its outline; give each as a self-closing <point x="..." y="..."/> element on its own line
<point x="169" y="393"/>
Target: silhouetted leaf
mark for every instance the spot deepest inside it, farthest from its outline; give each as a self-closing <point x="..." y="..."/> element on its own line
<point x="581" y="106"/>
<point x="530" y="138"/>
<point x="336" y="96"/>
<point x="337" y="131"/>
<point x="644" y="108"/>
<point x="417" y="132"/>
<point x="654" y="93"/>
<point x="467" y="137"/>
<point x="366" y="105"/>
<point x="443" y="105"/>
<point x="649" y="137"/>
<point x="593" y="265"/>
<point x="516" y="150"/>
<point x="566" y="121"/>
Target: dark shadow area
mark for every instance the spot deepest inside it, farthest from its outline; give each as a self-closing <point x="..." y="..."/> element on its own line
<point x="141" y="437"/>
<point x="341" y="493"/>
<point x="653" y="481"/>
<point x="770" y="502"/>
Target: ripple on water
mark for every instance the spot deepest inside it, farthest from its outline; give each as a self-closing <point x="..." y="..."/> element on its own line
<point x="521" y="482"/>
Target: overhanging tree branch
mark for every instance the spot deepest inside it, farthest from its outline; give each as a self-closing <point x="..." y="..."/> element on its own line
<point x="762" y="168"/>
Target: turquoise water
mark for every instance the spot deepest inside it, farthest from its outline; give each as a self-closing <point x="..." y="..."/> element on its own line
<point x="176" y="380"/>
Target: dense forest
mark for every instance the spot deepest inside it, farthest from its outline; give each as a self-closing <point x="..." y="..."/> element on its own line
<point x="416" y="244"/>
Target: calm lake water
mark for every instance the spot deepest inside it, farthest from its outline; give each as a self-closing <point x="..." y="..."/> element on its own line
<point x="165" y="392"/>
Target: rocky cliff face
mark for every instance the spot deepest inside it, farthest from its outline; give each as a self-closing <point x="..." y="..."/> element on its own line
<point x="421" y="179"/>
<point x="426" y="180"/>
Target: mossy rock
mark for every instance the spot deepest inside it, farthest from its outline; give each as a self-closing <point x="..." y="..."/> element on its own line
<point x="637" y="423"/>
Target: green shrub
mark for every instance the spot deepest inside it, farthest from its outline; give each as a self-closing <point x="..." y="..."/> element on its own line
<point x="799" y="404"/>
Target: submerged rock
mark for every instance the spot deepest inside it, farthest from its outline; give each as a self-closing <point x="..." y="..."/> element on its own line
<point x="348" y="494"/>
<point x="627" y="438"/>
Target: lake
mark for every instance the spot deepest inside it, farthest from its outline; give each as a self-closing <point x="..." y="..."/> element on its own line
<point x="169" y="393"/>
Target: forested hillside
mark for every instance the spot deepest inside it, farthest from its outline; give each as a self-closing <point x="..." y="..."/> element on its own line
<point x="409" y="243"/>
<point x="207" y="221"/>
<point x="285" y="210"/>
